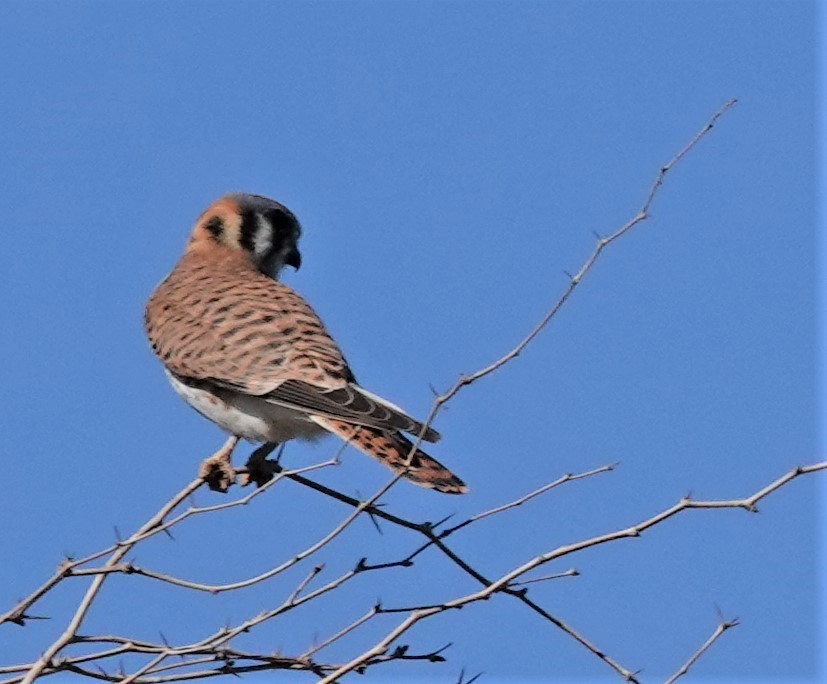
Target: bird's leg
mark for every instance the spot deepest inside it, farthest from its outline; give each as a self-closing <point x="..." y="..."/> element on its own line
<point x="259" y="469"/>
<point x="217" y="470"/>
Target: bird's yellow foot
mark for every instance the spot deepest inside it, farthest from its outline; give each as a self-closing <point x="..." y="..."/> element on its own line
<point x="217" y="470"/>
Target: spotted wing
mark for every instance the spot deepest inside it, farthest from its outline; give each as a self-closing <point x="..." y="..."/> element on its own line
<point x="255" y="335"/>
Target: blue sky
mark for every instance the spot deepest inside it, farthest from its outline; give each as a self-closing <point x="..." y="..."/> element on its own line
<point x="449" y="162"/>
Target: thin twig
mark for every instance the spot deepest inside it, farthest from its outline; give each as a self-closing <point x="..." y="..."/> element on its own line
<point x="568" y="477"/>
<point x="571" y="572"/>
<point x="719" y="630"/>
<point x="574" y="281"/>
<point x="373" y="612"/>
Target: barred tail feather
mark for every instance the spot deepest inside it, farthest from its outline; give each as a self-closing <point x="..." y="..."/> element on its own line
<point x="392" y="449"/>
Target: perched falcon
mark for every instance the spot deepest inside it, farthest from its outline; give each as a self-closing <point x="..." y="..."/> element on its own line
<point x="249" y="353"/>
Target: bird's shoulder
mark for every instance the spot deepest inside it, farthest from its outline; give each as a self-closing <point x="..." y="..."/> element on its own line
<point x="243" y="329"/>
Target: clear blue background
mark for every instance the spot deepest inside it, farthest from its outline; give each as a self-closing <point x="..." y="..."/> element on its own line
<point x="448" y="162"/>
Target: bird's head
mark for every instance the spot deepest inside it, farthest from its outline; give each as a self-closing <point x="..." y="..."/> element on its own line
<point x="264" y="229"/>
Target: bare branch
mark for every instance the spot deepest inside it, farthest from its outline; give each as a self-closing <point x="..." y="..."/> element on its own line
<point x="719" y="630"/>
<point x="72" y="567"/>
<point x="602" y="243"/>
<point x="503" y="583"/>
<point x="97" y="582"/>
<point x="568" y="477"/>
<point x="574" y="281"/>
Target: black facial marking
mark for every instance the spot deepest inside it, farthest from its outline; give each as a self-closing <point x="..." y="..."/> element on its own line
<point x="249" y="226"/>
<point x="275" y="248"/>
<point x="268" y="231"/>
<point x="215" y="226"/>
<point x="284" y="225"/>
<point x="282" y="228"/>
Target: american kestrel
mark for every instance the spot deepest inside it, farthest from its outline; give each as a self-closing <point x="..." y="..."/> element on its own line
<point x="247" y="352"/>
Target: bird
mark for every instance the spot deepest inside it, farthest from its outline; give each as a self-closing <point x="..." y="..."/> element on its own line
<point x="247" y="352"/>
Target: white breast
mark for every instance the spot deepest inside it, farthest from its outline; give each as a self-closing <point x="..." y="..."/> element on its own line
<point x="247" y="416"/>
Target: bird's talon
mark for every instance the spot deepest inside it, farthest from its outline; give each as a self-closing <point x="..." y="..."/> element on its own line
<point x="218" y="473"/>
<point x="259" y="472"/>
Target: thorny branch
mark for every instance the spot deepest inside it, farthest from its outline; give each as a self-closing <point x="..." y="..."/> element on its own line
<point x="213" y="655"/>
<point x="575" y="280"/>
<point x="215" y="647"/>
<point x="505" y="583"/>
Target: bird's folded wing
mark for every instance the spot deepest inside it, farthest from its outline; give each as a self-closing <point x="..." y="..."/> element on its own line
<point x="273" y="347"/>
<point x="349" y="403"/>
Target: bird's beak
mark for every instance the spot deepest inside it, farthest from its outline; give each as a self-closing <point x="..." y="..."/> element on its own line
<point x="294" y="259"/>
